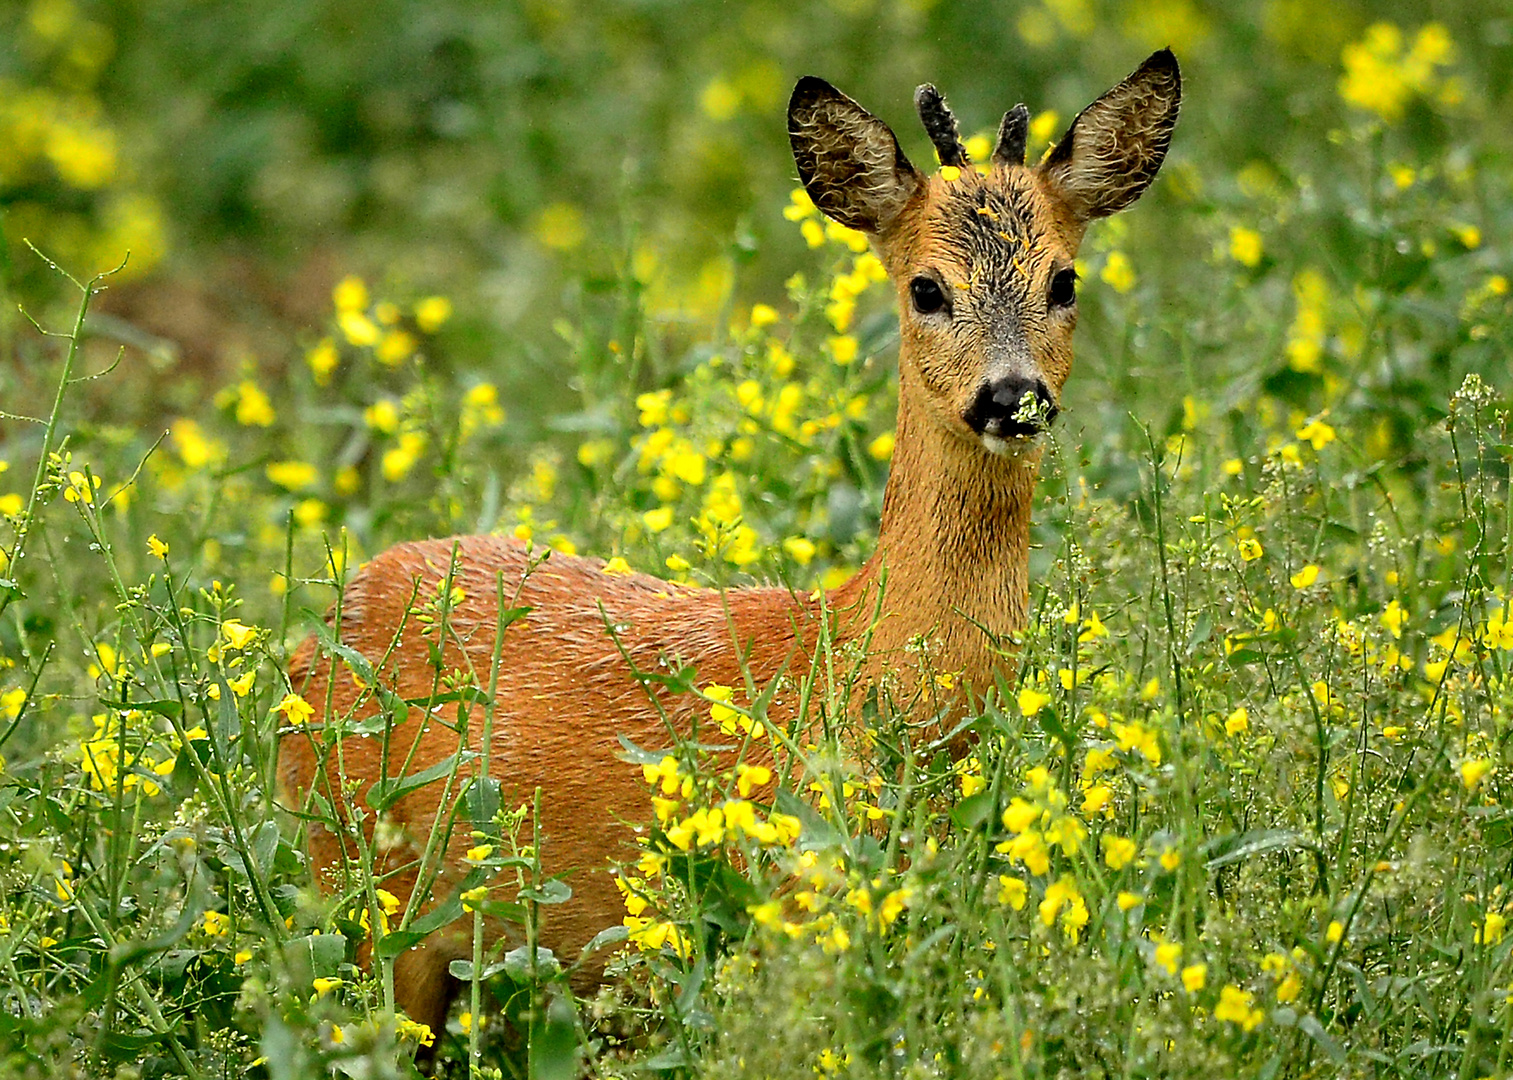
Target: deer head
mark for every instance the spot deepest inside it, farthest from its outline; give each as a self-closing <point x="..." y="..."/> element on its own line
<point x="983" y="260"/>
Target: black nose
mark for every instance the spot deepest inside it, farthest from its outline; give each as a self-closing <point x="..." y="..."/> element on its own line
<point x="1002" y="409"/>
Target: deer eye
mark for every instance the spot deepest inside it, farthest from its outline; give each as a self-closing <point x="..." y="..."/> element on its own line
<point x="1063" y="288"/>
<point x="926" y="294"/>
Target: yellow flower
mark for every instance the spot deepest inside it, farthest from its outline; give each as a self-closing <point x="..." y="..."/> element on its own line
<point x="1029" y="848"/>
<point x="1316" y="432"/>
<point x="1063" y="893"/>
<point x="1474" y="771"/>
<point x="350" y="294"/>
<point x="1095" y="798"/>
<point x="1118" y="851"/>
<point x="296" y="709"/>
<point x="1235" y="1005"/>
<point x="659" y="519"/>
<point x="800" y="205"/>
<point x="1031" y="701"/>
<point x="157" y="547"/>
<point x="292" y="475"/>
<point x="720" y="100"/>
<point x="560" y="227"/>
<point x="1381" y="77"/>
<point x="323" y="360"/>
<point x="1168" y="954"/>
<point x="1468" y="235"/>
<point x="843" y="349"/>
<point x="394" y="348"/>
<point x="431" y="312"/>
<point x="1136" y="736"/>
<point x="382" y="415"/>
<point x="1118" y="272"/>
<point x="1244" y="246"/>
<point x="237" y="634"/>
<point x="420" y="1033"/>
<point x="1012" y="891"/>
<point x="1492" y="929"/>
<point x="253" y="409"/>
<point x="751" y="777"/>
<point x="81" y="488"/>
<point x="399" y="460"/>
<point x="358" y="329"/>
<point x="800" y="549"/>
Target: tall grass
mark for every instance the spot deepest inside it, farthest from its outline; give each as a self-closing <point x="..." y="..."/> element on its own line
<point x="1243" y="809"/>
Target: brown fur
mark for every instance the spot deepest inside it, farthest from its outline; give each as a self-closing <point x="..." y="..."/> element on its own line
<point x="953" y="539"/>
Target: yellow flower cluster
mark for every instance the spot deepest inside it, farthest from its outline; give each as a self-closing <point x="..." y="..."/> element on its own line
<point x="1383" y="72"/>
<point x="104" y="757"/>
<point x="1039" y="821"/>
<point x="54" y="131"/>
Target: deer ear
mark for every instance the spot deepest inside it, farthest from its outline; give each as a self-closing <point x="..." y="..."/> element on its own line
<point x="1114" y="147"/>
<point x="848" y="159"/>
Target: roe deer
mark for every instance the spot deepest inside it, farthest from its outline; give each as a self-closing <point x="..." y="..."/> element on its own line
<point x="982" y="262"/>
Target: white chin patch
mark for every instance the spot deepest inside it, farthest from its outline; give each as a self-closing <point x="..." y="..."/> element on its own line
<point x="1007" y="448"/>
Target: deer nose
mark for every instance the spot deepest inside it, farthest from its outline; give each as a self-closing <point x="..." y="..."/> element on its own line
<point x="1003" y="409"/>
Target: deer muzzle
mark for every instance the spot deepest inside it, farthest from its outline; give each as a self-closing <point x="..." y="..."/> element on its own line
<point x="1011" y="406"/>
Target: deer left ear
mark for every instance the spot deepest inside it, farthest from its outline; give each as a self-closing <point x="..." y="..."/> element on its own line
<point x="848" y="159"/>
<point x="1114" y="147"/>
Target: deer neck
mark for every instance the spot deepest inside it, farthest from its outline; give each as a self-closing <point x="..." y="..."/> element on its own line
<point x="952" y="558"/>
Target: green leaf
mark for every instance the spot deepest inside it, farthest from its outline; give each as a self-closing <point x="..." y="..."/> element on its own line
<point x="552" y="891"/>
<point x="1235" y="847"/>
<point x="397" y="941"/>
<point x="315" y="955"/>
<point x="612" y="935"/>
<point x="386" y="793"/>
<point x="354" y="660"/>
<point x="634" y="755"/>
<point x="973" y="811"/>
<point x="553" y="1045"/>
<point x="519" y="963"/>
<point x="463" y="969"/>
<point x="442" y="914"/>
<point x="1326" y="1042"/>
<point x="1203" y="628"/>
<point x="817" y="832"/>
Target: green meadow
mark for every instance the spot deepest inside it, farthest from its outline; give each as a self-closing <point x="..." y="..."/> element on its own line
<point x="284" y="284"/>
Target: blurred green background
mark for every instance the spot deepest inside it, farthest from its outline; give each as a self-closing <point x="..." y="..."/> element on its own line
<point x="522" y="158"/>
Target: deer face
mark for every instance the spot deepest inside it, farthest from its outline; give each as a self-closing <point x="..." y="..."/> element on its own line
<point x="983" y="263"/>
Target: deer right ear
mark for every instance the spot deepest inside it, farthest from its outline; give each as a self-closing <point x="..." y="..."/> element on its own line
<point x="1115" y="146"/>
<point x="848" y="159"/>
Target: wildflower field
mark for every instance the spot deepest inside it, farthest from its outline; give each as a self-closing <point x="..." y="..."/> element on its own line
<point x="283" y="285"/>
